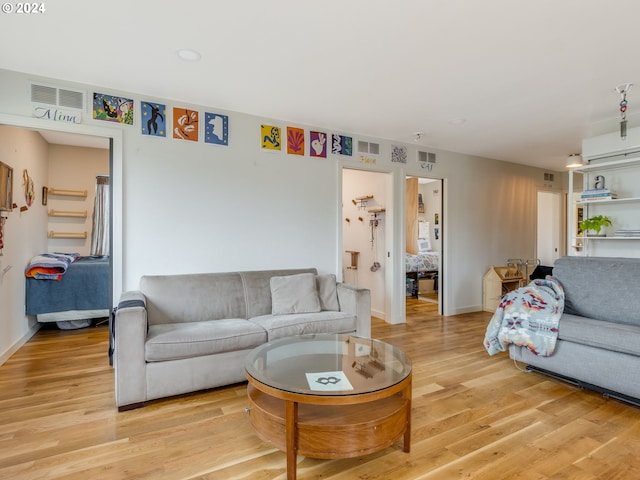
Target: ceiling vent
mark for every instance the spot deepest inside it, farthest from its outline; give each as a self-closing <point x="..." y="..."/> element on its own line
<point x="368" y="147"/>
<point x="426" y="157"/>
<point x="57" y="97"/>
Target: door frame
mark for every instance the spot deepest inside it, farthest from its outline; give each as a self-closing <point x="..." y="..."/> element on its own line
<point x="115" y="139"/>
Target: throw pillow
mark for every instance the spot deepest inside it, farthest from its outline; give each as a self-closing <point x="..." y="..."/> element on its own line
<point x="327" y="292"/>
<point x="294" y="294"/>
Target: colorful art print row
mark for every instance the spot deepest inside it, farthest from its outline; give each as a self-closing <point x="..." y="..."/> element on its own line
<point x="271" y="139"/>
<point x="154" y="119"/>
<point x="185" y="126"/>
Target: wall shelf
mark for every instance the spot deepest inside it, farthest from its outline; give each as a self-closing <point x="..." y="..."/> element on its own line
<point x="53" y="234"/>
<point x="67" y="193"/>
<point x="68" y="213"/>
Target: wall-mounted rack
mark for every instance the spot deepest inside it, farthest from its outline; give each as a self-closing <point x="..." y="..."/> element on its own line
<point x="67" y="193"/>
<point x="53" y="234"/>
<point x="361" y="202"/>
<point x="68" y="213"/>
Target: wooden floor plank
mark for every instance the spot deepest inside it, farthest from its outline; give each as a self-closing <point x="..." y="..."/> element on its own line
<point x="474" y="416"/>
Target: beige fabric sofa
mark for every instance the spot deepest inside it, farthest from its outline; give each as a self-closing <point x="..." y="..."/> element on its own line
<point x="189" y="332"/>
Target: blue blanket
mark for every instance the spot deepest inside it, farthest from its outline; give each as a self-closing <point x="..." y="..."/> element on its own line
<point x="527" y="317"/>
<point x="85" y="286"/>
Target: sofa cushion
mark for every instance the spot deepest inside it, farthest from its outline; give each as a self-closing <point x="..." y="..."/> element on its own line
<point x="257" y="286"/>
<point x="294" y="294"/>
<point x="603" y="288"/>
<point x="597" y="333"/>
<point x="278" y="326"/>
<point x="171" y="341"/>
<point x="327" y="292"/>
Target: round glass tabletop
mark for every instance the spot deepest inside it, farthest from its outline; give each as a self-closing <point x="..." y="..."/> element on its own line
<point x="328" y="364"/>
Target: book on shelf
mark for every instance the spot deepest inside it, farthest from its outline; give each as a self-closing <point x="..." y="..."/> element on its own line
<point x="626" y="233"/>
<point x="585" y="197"/>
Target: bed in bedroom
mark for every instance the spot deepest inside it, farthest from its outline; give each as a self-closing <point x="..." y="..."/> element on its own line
<point x="82" y="293"/>
<point x="421" y="266"/>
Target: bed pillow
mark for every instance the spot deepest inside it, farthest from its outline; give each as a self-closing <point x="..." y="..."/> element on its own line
<point x="327" y="292"/>
<point x="294" y="294"/>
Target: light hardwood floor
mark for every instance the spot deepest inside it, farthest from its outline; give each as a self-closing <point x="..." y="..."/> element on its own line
<point x="474" y="416"/>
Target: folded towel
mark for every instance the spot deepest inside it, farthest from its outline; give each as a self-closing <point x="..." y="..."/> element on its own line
<point x="50" y="266"/>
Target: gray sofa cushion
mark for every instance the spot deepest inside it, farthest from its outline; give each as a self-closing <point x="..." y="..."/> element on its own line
<point x="327" y="292"/>
<point x="278" y="326"/>
<point x="193" y="297"/>
<point x="294" y="294"/>
<point x="172" y="341"/>
<point x="601" y="288"/>
<point x="611" y="336"/>
<point x="257" y="288"/>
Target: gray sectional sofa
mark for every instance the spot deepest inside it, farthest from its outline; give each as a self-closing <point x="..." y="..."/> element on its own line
<point x="598" y="343"/>
<point x="189" y="332"/>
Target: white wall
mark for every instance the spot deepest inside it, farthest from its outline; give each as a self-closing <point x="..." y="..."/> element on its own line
<point x="356" y="233"/>
<point x="25" y="233"/>
<point x="194" y="207"/>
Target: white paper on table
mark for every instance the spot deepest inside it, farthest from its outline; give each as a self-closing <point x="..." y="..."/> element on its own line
<point x="328" y="381"/>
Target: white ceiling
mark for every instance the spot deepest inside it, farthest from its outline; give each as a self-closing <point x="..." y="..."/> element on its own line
<point x="529" y="78"/>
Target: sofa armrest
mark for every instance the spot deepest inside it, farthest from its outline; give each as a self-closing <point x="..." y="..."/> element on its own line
<point x="356" y="300"/>
<point x="129" y="338"/>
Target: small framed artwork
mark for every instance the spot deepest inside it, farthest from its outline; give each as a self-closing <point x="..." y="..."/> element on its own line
<point x="45" y="195"/>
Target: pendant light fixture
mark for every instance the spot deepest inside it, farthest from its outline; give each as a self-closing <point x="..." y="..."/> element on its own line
<point x="622" y="90"/>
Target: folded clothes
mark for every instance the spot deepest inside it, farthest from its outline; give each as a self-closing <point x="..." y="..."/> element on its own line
<point x="50" y="266"/>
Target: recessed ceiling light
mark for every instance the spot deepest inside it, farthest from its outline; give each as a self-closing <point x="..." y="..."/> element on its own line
<point x="189" y="55"/>
<point x="457" y="121"/>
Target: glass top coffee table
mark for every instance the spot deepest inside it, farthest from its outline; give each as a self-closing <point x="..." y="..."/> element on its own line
<point x="329" y="396"/>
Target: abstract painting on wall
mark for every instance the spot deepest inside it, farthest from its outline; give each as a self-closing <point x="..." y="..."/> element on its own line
<point x="398" y="154"/>
<point x="185" y="124"/>
<point x="318" y="142"/>
<point x="295" y="141"/>
<point x="270" y="136"/>
<point x="154" y="119"/>
<point x="341" y="145"/>
<point x="112" y="108"/>
<point x="216" y="128"/>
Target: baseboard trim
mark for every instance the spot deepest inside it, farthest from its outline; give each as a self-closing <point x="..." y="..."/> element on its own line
<point x="19" y="343"/>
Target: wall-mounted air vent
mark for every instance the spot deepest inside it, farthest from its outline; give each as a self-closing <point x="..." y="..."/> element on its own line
<point x="368" y="147"/>
<point x="57" y="97"/>
<point x="548" y="177"/>
<point x="426" y="157"/>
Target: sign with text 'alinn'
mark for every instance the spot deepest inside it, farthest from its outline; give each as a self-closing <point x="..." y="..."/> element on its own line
<point x="57" y="115"/>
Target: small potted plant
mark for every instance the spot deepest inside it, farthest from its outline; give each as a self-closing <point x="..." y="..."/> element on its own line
<point x="595" y="224"/>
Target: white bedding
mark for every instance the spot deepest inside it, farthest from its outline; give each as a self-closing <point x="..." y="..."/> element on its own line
<point x="423" y="262"/>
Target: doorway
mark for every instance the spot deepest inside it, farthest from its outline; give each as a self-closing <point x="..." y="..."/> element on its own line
<point x="423" y="239"/>
<point x="367" y="235"/>
<point x="550" y="221"/>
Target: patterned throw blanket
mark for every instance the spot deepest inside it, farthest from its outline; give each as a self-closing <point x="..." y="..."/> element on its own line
<point x="527" y="317"/>
<point x="50" y="266"/>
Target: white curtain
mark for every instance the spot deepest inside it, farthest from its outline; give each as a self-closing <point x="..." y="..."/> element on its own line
<point x="100" y="233"/>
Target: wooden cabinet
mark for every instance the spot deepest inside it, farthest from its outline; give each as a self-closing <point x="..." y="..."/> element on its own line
<point x="498" y="281"/>
<point x="621" y="176"/>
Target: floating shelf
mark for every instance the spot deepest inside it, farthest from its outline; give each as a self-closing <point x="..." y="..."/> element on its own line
<point x="361" y="202"/>
<point x="377" y="210"/>
<point x="68" y="193"/>
<point x="53" y="234"/>
<point x="354" y="259"/>
<point x="68" y="213"/>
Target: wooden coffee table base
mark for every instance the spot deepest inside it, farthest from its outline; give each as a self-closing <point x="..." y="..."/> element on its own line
<point x="319" y="426"/>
